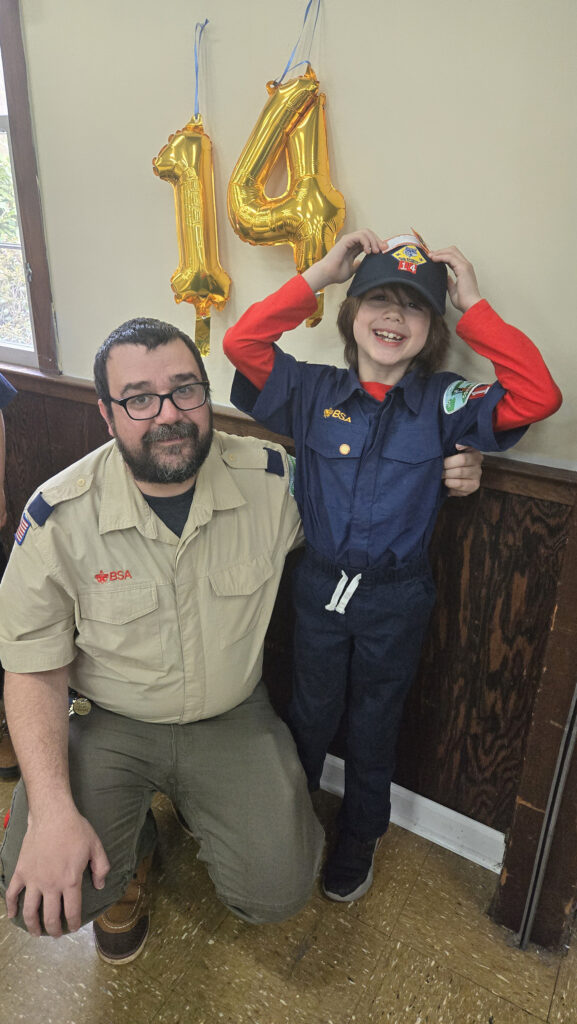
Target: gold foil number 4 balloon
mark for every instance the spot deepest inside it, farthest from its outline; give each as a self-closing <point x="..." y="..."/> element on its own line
<point x="311" y="212"/>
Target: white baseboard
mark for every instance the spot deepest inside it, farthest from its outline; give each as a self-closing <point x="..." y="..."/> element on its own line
<point x="447" y="828"/>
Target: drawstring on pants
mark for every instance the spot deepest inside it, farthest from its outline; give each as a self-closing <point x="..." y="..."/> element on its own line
<point x="343" y="592"/>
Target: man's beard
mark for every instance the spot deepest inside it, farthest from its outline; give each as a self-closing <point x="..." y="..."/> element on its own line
<point x="147" y="467"/>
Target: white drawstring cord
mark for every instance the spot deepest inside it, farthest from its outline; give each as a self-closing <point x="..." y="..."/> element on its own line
<point x="342" y="593"/>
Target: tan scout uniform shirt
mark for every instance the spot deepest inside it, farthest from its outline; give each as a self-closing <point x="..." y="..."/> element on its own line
<point x="162" y="628"/>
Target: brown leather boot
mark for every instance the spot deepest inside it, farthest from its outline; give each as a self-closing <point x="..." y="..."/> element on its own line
<point x="121" y="932"/>
<point x="8" y="764"/>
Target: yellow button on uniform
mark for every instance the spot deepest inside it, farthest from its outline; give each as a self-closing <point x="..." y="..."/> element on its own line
<point x="345" y="449"/>
<point x="81" y="481"/>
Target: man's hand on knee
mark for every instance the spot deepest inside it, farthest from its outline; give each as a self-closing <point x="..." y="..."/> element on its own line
<point x="462" y="472"/>
<point x="52" y="860"/>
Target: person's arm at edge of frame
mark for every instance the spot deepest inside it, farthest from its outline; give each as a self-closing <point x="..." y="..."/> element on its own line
<point x="59" y="842"/>
<point x="2" y="471"/>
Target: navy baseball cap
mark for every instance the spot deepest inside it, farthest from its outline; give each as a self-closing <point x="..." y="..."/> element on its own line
<point x="406" y="262"/>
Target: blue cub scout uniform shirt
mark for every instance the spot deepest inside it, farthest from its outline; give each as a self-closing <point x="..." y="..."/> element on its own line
<point x="368" y="474"/>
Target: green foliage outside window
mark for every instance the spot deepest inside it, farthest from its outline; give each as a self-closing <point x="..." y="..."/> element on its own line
<point x="14" y="315"/>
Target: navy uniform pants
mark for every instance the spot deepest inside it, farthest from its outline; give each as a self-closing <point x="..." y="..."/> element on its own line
<point x="360" y="663"/>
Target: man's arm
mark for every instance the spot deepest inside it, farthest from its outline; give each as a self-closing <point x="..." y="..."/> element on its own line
<point x="462" y="472"/>
<point x="59" y="842"/>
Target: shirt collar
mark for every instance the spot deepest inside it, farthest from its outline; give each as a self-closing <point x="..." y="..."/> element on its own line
<point x="411" y="387"/>
<point x="123" y="506"/>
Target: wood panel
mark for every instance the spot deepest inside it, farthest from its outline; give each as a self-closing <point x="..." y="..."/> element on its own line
<point x="482" y="663"/>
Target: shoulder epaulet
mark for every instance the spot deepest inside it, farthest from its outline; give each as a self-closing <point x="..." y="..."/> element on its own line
<point x="40" y="509"/>
<point x="65" y="489"/>
<point x="250" y="453"/>
<point x="36" y="514"/>
<point x="274" y="461"/>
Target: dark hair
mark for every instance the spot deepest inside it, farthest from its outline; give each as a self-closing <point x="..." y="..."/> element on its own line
<point x="429" y="359"/>
<point x="140" y="331"/>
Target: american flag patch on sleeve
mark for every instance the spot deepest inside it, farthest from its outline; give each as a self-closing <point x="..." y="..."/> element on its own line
<point x="23" y="527"/>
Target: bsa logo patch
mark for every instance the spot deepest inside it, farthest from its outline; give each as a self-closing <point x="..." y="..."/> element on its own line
<point x="460" y="392"/>
<point x="409" y="258"/>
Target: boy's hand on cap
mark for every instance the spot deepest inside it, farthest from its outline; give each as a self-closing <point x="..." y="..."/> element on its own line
<point x="341" y="261"/>
<point x="464" y="290"/>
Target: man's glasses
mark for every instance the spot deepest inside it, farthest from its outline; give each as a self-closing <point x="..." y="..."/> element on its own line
<point x="146" y="407"/>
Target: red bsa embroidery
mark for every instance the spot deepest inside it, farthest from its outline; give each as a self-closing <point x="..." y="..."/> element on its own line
<point x="110" y="577"/>
<point x="405" y="265"/>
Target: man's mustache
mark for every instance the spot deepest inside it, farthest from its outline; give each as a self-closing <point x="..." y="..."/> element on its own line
<point x="171" y="432"/>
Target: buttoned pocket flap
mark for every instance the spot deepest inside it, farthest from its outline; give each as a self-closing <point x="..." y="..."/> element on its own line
<point x="243" y="578"/>
<point x="412" y="449"/>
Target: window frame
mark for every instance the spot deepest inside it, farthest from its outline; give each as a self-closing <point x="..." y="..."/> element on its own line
<point x="25" y="174"/>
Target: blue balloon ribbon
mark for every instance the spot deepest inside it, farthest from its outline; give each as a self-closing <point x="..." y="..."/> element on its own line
<point x="289" y="64"/>
<point x="197" y="37"/>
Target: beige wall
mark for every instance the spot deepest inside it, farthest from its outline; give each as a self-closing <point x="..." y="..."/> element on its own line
<point x="453" y="116"/>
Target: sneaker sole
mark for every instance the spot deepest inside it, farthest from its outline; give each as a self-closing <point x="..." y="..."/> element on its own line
<point x="355" y="894"/>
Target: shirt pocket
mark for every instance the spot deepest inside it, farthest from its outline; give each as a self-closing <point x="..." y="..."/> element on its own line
<point x="121" y="625"/>
<point x="239" y="594"/>
<point x="332" y="453"/>
<point x="411" y="482"/>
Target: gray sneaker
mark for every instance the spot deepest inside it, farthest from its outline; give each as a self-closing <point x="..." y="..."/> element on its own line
<point x="348" y="873"/>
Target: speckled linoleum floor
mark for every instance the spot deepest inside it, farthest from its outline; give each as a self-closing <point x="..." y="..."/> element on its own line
<point x="418" y="949"/>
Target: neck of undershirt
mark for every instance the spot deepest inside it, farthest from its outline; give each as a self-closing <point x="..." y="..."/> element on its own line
<point x="376" y="389"/>
<point x="173" y="510"/>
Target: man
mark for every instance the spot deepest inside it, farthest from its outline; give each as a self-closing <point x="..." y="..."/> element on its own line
<point x="143" y="578"/>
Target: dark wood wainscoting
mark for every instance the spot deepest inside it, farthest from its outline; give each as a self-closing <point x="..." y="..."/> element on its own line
<point x="484" y="723"/>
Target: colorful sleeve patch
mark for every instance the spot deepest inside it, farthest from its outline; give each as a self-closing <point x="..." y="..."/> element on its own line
<point x="23" y="527"/>
<point x="460" y="392"/>
<point x="292" y="462"/>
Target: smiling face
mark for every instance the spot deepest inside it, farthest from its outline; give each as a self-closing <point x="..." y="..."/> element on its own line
<point x="165" y="453"/>
<point x="390" y="329"/>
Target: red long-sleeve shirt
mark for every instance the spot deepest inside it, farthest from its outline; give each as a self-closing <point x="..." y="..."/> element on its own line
<point x="531" y="392"/>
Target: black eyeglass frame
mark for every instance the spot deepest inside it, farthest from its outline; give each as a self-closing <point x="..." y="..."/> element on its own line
<point x="204" y="384"/>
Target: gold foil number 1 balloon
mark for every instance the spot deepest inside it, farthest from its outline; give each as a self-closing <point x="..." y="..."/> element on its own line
<point x="186" y="162"/>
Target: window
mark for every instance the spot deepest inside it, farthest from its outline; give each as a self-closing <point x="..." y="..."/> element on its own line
<point x="15" y="324"/>
<point x="27" y="334"/>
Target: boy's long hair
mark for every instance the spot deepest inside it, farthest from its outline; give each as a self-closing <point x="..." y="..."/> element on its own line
<point x="430" y="358"/>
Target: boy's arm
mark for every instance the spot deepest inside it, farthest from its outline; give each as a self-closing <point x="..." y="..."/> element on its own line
<point x="248" y="344"/>
<point x="531" y="392"/>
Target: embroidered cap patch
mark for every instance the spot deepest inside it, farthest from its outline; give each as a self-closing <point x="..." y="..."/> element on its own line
<point x="409" y="258"/>
<point x="460" y="391"/>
